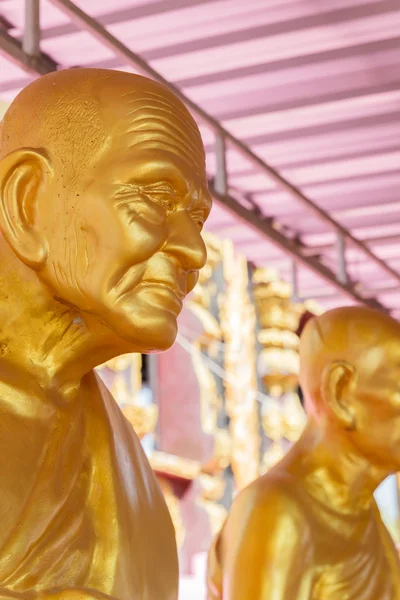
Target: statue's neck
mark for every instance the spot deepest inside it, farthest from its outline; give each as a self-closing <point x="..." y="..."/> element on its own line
<point x="334" y="472"/>
<point x="46" y="342"/>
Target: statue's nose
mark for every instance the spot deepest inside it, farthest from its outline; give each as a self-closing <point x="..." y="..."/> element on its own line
<point x="185" y="242"/>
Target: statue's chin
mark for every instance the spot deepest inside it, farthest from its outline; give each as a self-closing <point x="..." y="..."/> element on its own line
<point x="155" y="333"/>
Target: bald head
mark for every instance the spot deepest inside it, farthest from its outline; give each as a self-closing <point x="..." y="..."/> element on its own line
<point x="73" y="114"/>
<point x="344" y="334"/>
<point x="104" y="195"/>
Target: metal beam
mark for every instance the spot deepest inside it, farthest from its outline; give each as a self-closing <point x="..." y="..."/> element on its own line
<point x="35" y="65"/>
<point x="342" y="265"/>
<point x="293" y="249"/>
<point x="31" y="39"/>
<point x="295" y="283"/>
<point x="221" y="176"/>
<point x="326" y="293"/>
<point x="381" y="240"/>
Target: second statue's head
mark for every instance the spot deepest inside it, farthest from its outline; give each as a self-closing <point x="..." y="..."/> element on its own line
<point x="104" y="195"/>
<point x="349" y="371"/>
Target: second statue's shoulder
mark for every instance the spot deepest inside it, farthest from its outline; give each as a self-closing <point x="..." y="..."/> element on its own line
<point x="271" y="497"/>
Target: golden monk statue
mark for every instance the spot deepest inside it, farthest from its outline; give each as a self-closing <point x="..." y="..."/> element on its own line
<point x="103" y="196"/>
<point x="310" y="529"/>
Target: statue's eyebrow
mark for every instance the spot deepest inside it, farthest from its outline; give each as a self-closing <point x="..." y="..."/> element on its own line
<point x="159" y="140"/>
<point x="168" y="172"/>
<point x="204" y="201"/>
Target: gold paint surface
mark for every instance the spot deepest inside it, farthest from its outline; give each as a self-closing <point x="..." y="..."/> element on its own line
<point x="310" y="529"/>
<point x="103" y="196"/>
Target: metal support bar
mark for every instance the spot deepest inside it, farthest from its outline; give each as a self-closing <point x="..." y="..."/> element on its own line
<point x="295" y="282"/>
<point x="321" y="248"/>
<point x="341" y="254"/>
<point x="325" y="293"/>
<point x="36" y="65"/>
<point x="221" y="178"/>
<point x="293" y="249"/>
<point x="31" y="39"/>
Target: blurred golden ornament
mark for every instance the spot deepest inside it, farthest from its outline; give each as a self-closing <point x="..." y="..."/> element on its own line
<point x="217" y="514"/>
<point x="272" y="421"/>
<point x="142" y="418"/>
<point x="293" y="417"/>
<point x="212" y="486"/>
<point x="175" y="466"/>
<point x="174" y="510"/>
<point x="272" y="456"/>
<point x="222" y="455"/>
<point x="119" y="363"/>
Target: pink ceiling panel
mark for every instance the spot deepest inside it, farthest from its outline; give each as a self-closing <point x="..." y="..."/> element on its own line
<point x="76" y="49"/>
<point x="227" y="18"/>
<point x="9" y="70"/>
<point x="325" y="172"/>
<point x="333" y="70"/>
<point x="99" y="8"/>
<point x="281" y="207"/>
<point x="327" y="112"/>
<point x="277" y="47"/>
<point x="162" y="31"/>
<point x="330" y="171"/>
<point x="335" y="145"/>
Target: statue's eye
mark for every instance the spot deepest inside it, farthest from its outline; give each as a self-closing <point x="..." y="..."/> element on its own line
<point x="162" y="193"/>
<point x="198" y="217"/>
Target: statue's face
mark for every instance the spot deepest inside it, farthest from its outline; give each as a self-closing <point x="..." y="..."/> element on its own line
<point x="376" y="402"/>
<point x="132" y="246"/>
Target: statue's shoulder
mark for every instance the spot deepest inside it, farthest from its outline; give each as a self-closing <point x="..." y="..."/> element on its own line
<point x="123" y="444"/>
<point x="111" y="413"/>
<point x="265" y="518"/>
<point x="271" y="499"/>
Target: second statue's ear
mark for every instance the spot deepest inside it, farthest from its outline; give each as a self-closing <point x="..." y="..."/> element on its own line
<point x="24" y="175"/>
<point x="337" y="381"/>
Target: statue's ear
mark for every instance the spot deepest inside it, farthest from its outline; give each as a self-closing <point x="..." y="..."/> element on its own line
<point x="23" y="175"/>
<point x="337" y="380"/>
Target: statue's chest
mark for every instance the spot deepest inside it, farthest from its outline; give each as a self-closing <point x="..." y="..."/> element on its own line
<point x="80" y="505"/>
<point x="44" y="482"/>
<point x="134" y="554"/>
<point x="357" y="580"/>
<point x="366" y="571"/>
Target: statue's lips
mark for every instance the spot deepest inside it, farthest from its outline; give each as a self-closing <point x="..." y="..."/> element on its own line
<point x="168" y="295"/>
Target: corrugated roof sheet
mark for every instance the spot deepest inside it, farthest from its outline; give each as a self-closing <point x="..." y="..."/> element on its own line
<point x="311" y="87"/>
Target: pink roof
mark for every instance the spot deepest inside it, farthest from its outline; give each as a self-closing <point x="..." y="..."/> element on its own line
<point x="313" y="88"/>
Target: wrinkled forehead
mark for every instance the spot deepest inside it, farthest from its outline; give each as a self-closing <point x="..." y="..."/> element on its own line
<point x="153" y="119"/>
